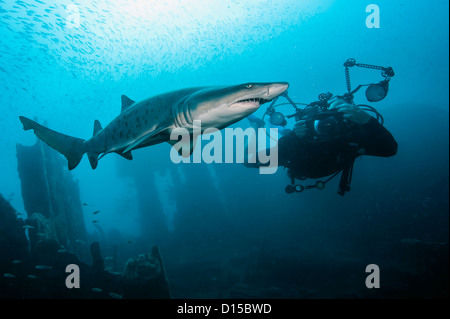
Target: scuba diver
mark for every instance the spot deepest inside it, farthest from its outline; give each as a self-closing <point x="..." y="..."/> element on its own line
<point x="330" y="134"/>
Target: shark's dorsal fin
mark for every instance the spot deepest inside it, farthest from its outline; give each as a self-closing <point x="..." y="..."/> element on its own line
<point x="126" y="102"/>
<point x="97" y="127"/>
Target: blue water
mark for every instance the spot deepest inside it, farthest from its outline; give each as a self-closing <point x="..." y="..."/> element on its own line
<point x="235" y="230"/>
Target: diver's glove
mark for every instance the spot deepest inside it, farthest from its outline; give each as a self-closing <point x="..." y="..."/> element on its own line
<point x="300" y="129"/>
<point x="351" y="112"/>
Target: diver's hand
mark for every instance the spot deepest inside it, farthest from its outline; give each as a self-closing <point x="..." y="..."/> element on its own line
<point x="300" y="129"/>
<point x="353" y="113"/>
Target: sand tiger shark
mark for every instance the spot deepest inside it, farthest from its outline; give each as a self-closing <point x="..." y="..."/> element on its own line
<point x="151" y="121"/>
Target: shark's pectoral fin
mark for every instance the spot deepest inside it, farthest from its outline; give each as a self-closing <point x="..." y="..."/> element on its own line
<point x="142" y="138"/>
<point x="126" y="155"/>
<point x="185" y="149"/>
<point x="185" y="146"/>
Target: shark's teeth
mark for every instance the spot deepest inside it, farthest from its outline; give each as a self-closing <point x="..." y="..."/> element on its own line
<point x="257" y="100"/>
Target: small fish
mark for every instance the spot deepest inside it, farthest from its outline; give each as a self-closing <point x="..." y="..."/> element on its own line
<point x="16" y="261"/>
<point x="8" y="275"/>
<point x="108" y="258"/>
<point x="31" y="277"/>
<point x="43" y="267"/>
<point x="85" y="204"/>
<point x="27" y="227"/>
<point x="114" y="295"/>
<point x="95" y="221"/>
<point x="97" y="290"/>
<point x="96" y="212"/>
<point x="61" y="251"/>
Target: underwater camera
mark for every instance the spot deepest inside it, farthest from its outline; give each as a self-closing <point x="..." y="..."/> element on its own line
<point x="323" y="122"/>
<point x="375" y="92"/>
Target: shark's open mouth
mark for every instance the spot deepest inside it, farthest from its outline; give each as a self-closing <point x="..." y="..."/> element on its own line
<point x="257" y="101"/>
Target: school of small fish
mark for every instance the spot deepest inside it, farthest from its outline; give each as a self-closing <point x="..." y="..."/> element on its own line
<point x="105" y="39"/>
<point x="79" y="54"/>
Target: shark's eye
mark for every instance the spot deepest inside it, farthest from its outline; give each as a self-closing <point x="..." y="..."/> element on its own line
<point x="249" y="86"/>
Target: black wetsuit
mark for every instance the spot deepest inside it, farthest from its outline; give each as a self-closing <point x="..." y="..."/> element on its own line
<point x="316" y="158"/>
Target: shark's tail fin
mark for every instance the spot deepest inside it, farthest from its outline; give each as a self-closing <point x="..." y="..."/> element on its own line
<point x="71" y="147"/>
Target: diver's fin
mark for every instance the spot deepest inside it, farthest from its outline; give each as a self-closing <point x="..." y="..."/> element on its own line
<point x="71" y="147"/>
<point x="126" y="155"/>
<point x="126" y="102"/>
<point x="97" y="127"/>
<point x="142" y="138"/>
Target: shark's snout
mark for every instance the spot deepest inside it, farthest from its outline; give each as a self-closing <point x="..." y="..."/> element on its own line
<point x="256" y="94"/>
<point x="276" y="89"/>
